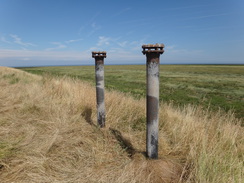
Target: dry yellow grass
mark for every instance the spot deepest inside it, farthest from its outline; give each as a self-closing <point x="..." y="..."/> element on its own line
<point x="48" y="133"/>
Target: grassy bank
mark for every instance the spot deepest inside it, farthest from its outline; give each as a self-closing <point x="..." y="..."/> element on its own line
<point x="211" y="86"/>
<point x="48" y="133"/>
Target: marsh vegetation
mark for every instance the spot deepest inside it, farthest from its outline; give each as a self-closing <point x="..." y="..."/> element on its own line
<point x="217" y="87"/>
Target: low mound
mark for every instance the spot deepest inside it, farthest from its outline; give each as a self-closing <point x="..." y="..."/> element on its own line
<point x="48" y="133"/>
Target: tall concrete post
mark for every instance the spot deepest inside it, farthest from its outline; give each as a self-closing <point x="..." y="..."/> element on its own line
<point x="99" y="70"/>
<point x="152" y="53"/>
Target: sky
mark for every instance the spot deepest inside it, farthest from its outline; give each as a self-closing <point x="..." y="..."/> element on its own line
<point x="65" y="32"/>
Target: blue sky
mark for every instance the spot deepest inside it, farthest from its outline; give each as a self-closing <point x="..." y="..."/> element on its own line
<point x="65" y="32"/>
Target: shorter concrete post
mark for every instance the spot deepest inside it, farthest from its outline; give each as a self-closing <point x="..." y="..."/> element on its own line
<point x="99" y="70"/>
<point x="152" y="53"/>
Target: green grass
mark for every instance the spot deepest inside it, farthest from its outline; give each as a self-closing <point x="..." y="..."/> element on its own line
<point x="12" y="78"/>
<point x="212" y="86"/>
<point x="6" y="150"/>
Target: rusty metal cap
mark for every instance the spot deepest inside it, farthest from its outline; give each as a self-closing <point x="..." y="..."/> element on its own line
<point x="99" y="54"/>
<point x="153" y="48"/>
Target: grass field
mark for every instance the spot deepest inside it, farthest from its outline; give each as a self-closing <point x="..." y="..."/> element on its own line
<point x="211" y="86"/>
<point x="49" y="133"/>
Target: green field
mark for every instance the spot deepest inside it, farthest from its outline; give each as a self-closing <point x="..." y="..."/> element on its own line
<point x="211" y="86"/>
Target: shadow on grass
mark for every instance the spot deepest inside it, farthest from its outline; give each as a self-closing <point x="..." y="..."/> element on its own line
<point x="87" y="113"/>
<point x="125" y="144"/>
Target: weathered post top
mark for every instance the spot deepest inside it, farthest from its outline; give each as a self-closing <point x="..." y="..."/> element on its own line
<point x="153" y="48"/>
<point x="96" y="54"/>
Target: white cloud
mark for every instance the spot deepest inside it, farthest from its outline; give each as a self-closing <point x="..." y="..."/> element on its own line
<point x="185" y="52"/>
<point x="136" y="45"/>
<point x="94" y="27"/>
<point x="91" y="26"/>
<point x="93" y="49"/>
<point x="122" y="44"/>
<point x="183" y="55"/>
<point x="14" y="58"/>
<point x="58" y="46"/>
<point x="115" y="55"/>
<point x="6" y="54"/>
<point x="19" y="41"/>
<point x="118" y="51"/>
<point x="170" y="47"/>
<point x="103" y="41"/>
<point x="3" y="39"/>
<point x="73" y="40"/>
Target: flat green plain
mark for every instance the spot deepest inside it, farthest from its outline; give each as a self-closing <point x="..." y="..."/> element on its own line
<point x="214" y="87"/>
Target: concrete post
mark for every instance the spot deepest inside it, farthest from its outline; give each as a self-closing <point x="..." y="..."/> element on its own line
<point x="152" y="53"/>
<point x="99" y="70"/>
